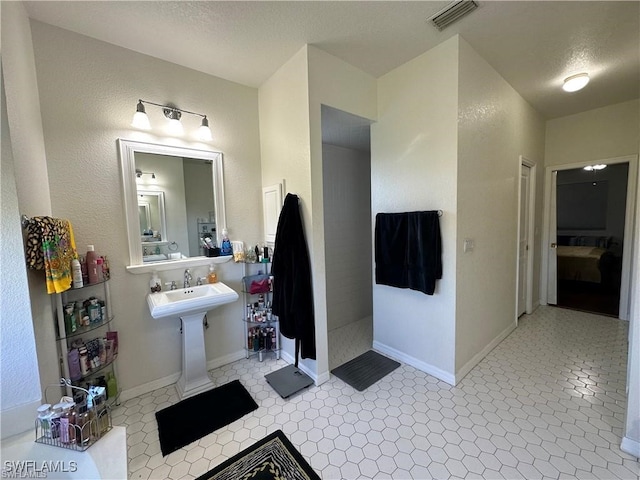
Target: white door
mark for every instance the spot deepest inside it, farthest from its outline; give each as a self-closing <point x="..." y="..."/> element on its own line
<point x="552" y="277"/>
<point x="523" y="240"/>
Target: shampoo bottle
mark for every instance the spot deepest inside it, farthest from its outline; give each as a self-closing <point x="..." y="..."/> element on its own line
<point x="212" y="277"/>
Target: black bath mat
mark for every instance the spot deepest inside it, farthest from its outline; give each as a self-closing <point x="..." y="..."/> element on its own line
<point x="365" y="370"/>
<point x="195" y="417"/>
<point x="273" y="457"/>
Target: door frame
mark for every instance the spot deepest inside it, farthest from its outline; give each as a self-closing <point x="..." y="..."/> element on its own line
<point x="530" y="237"/>
<point x="628" y="239"/>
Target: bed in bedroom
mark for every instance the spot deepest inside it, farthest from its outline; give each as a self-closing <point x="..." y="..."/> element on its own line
<point x="583" y="259"/>
<point x="580" y="263"/>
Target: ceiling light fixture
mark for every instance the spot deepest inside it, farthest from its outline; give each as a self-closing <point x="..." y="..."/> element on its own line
<point x="575" y="82"/>
<point x="591" y="168"/>
<point x="173" y="114"/>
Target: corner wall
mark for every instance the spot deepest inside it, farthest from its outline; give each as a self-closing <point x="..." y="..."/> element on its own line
<point x="285" y="153"/>
<point x="495" y="126"/>
<point x="414" y="167"/>
<point x="25" y="306"/>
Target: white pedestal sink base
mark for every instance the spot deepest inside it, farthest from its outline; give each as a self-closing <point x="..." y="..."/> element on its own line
<point x="195" y="378"/>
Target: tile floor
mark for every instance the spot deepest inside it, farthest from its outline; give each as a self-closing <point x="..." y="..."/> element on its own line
<point x="548" y="402"/>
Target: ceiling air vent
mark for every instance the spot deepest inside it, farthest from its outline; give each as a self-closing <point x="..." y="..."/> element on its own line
<point x="452" y="13"/>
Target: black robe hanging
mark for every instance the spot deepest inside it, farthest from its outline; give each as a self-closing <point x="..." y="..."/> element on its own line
<point x="292" y="289"/>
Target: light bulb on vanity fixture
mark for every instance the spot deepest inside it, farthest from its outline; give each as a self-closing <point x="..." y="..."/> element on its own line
<point x="575" y="82"/>
<point x="174" y="115"/>
<point x="140" y="119"/>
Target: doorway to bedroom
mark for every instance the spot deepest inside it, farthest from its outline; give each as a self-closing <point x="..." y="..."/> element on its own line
<point x="591" y="206"/>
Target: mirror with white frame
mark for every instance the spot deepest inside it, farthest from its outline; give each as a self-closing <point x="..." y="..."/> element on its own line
<point x="172" y="194"/>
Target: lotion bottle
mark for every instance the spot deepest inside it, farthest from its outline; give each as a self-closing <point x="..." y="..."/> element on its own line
<point x="212" y="277"/>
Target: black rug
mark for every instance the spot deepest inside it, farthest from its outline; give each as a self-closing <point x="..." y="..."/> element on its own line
<point x="273" y="457"/>
<point x="195" y="417"/>
<point x="365" y="370"/>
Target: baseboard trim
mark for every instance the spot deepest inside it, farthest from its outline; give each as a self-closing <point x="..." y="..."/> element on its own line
<point x="291" y="361"/>
<point x="173" y="378"/>
<point x="630" y="446"/>
<point x="414" y="362"/>
<point x="477" y="358"/>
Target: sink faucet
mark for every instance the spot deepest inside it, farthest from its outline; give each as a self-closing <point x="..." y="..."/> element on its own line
<point x="187" y="278"/>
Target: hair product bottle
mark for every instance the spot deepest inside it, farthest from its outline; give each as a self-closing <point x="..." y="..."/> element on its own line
<point x="92" y="264"/>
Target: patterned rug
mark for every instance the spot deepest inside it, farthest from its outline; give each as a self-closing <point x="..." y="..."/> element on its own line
<point x="273" y="457"/>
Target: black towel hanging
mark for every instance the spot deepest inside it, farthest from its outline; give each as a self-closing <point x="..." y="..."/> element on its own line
<point x="408" y="250"/>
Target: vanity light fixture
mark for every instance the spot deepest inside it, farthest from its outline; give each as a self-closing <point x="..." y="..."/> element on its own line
<point x="173" y="114"/>
<point x="575" y="82"/>
<point x="139" y="174"/>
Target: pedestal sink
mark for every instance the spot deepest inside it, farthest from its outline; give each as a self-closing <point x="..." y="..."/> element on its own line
<point x="191" y="304"/>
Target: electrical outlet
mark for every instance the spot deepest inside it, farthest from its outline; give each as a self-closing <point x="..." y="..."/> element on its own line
<point x="468" y="245"/>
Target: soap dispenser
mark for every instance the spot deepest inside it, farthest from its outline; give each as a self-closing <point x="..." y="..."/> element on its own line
<point x="213" y="276"/>
<point x="155" y="284"/>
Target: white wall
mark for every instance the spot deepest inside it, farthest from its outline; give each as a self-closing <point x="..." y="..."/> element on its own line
<point x="20" y="393"/>
<point x="25" y="190"/>
<point x="414" y="167"/>
<point x="291" y="147"/>
<point x="347" y="225"/>
<point x="88" y="92"/>
<point x="495" y="127"/>
<point x="601" y="133"/>
<point x="337" y="84"/>
<point x="284" y="148"/>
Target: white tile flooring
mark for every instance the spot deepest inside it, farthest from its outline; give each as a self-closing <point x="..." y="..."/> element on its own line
<point x="548" y="402"/>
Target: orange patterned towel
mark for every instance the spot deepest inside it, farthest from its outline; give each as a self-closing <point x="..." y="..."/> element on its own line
<point x="51" y="247"/>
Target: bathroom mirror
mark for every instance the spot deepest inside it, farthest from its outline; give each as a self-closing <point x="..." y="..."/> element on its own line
<point x="151" y="216"/>
<point x="177" y="188"/>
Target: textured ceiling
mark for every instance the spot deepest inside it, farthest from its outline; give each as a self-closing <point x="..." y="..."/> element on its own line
<point x="533" y="45"/>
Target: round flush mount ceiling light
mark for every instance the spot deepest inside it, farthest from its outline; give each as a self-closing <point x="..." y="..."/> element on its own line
<point x="575" y="82"/>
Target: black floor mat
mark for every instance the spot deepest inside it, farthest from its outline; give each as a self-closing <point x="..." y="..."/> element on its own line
<point x="365" y="370"/>
<point x="195" y="417"/>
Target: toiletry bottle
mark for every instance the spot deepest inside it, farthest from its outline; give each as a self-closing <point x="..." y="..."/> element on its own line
<point x="155" y="284"/>
<point x="44" y="413"/>
<point x="213" y="276"/>
<point x="112" y="385"/>
<point x="226" y="248"/>
<point x="76" y="273"/>
<point x="105" y="268"/>
<point x="100" y="269"/>
<point x="83" y="268"/>
<point x="92" y="264"/>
